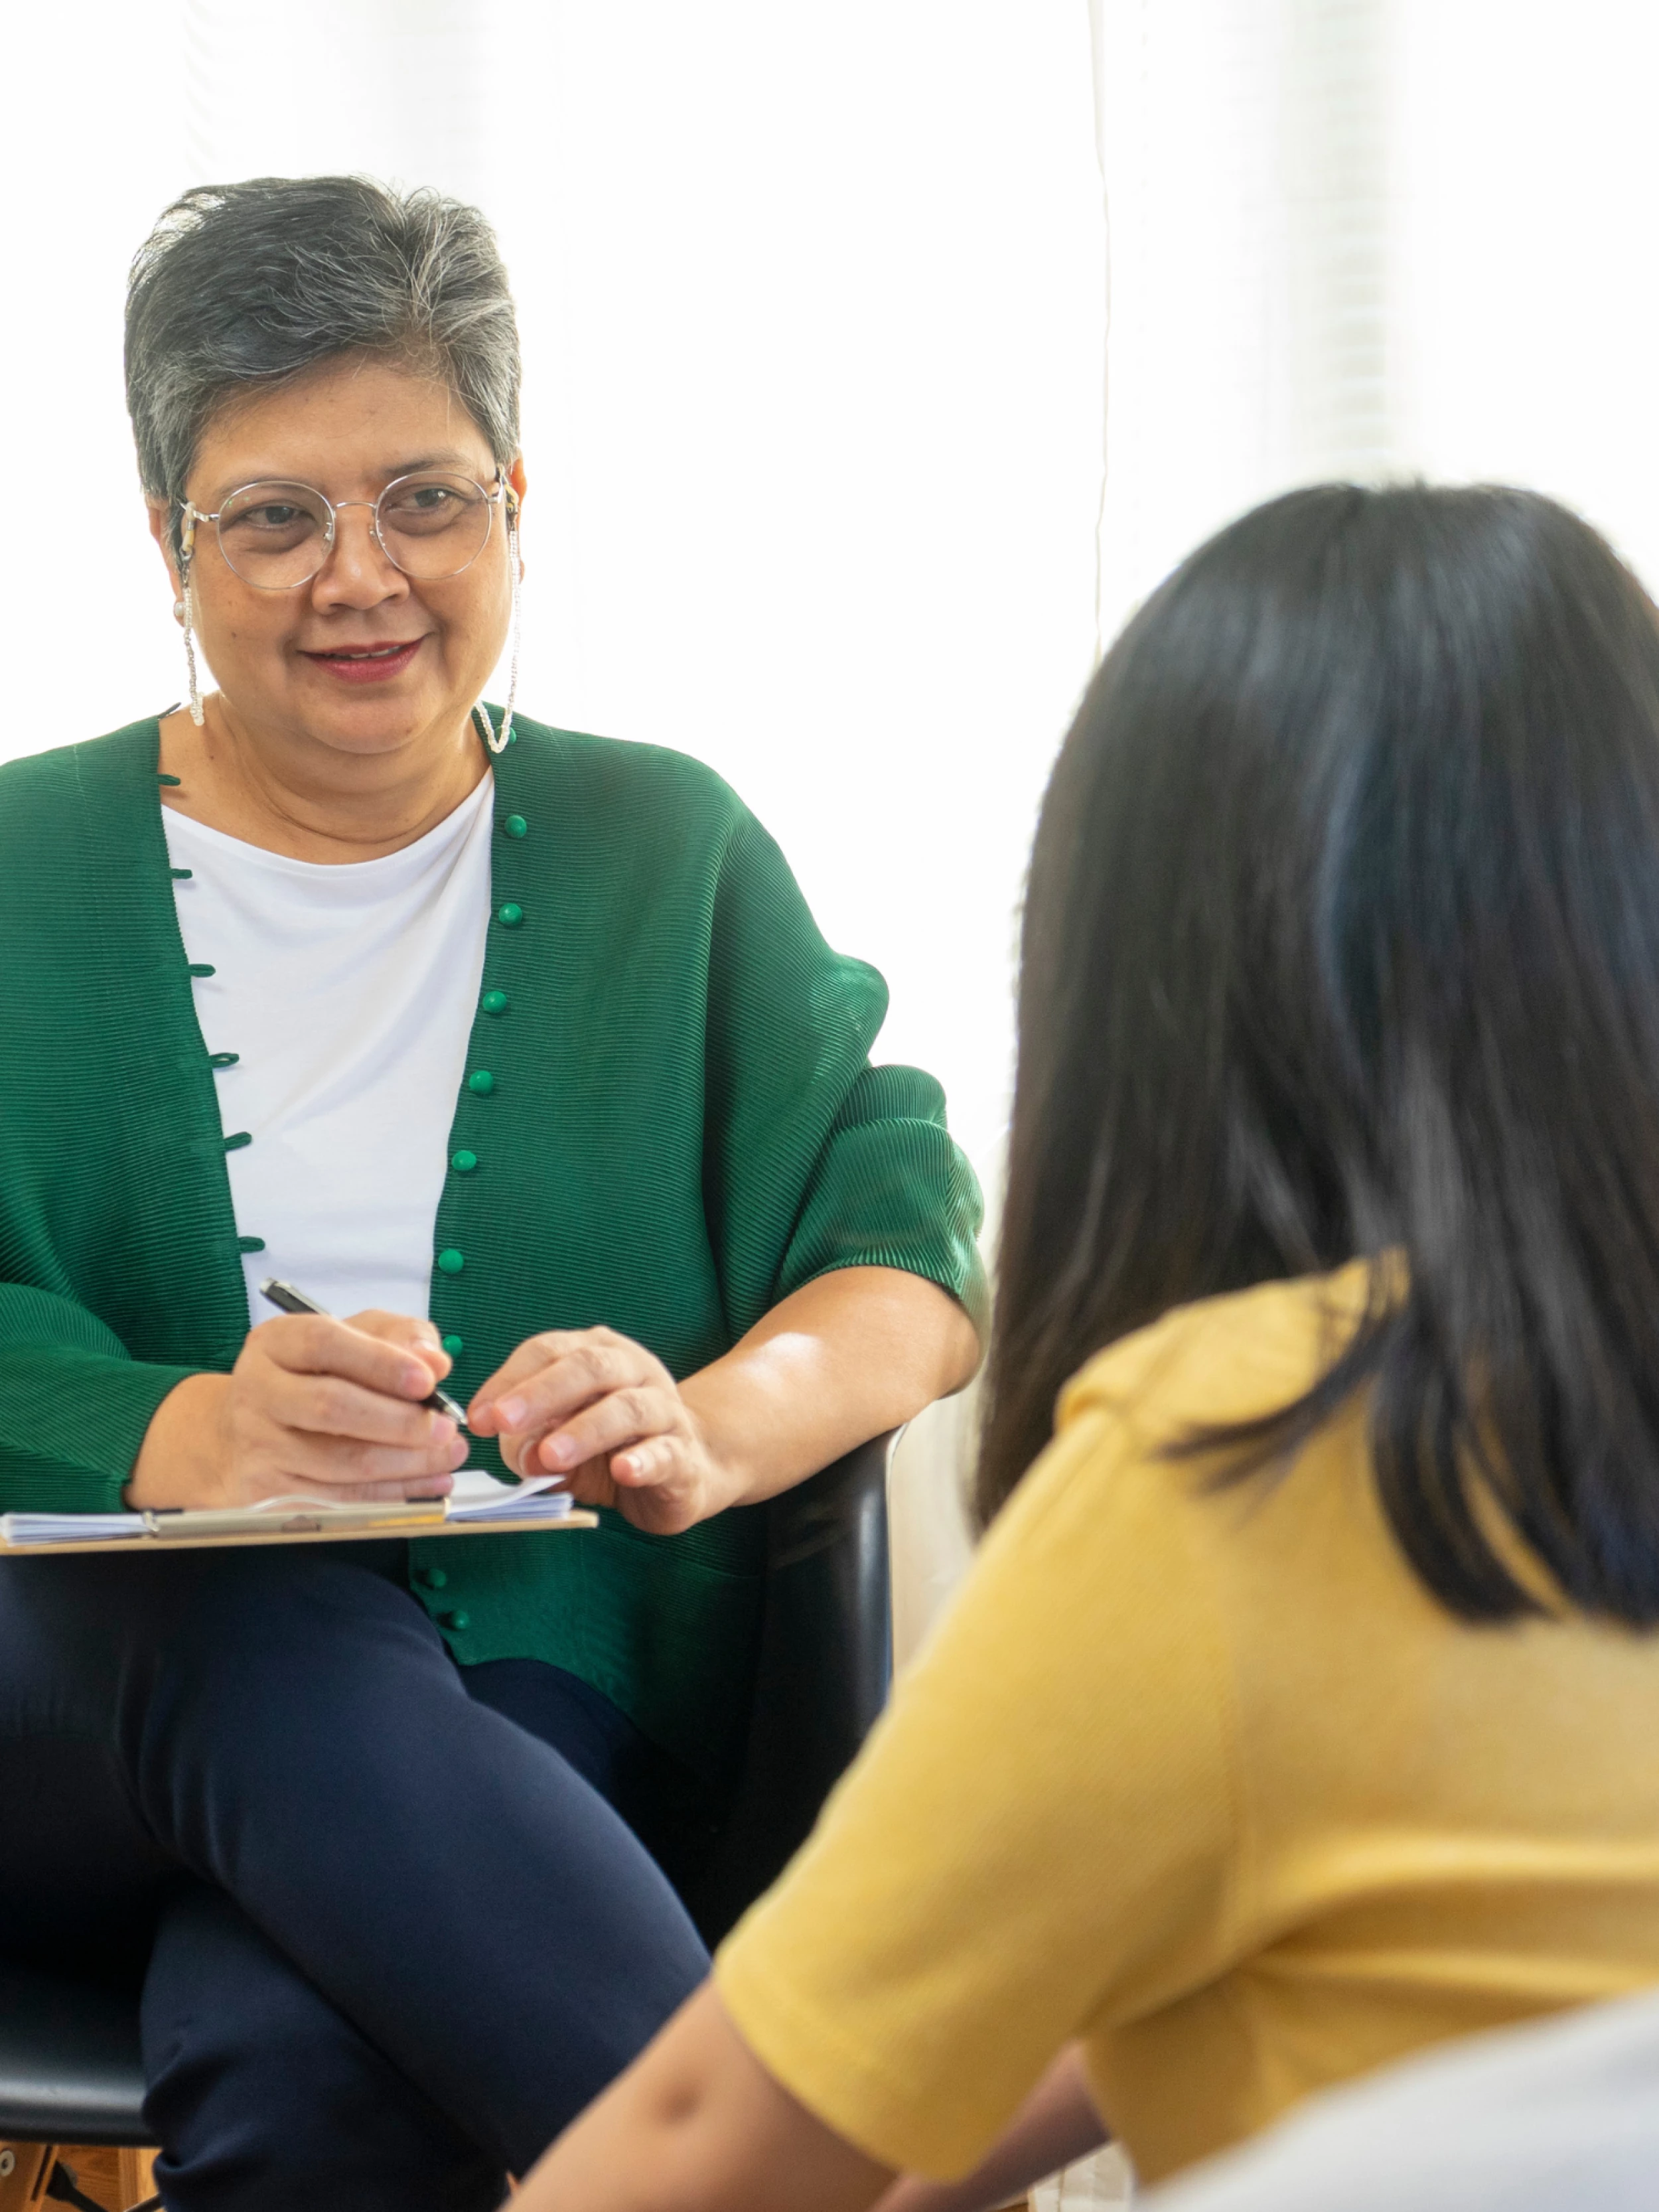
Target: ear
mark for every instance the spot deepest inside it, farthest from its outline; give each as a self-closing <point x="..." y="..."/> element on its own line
<point x="160" y="514"/>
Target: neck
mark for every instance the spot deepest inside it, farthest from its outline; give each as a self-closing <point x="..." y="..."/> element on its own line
<point x="313" y="802"/>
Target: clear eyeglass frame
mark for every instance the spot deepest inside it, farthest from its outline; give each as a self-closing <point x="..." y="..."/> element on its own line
<point x="501" y="492"/>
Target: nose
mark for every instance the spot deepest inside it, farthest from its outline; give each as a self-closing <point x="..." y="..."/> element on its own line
<point x="356" y="574"/>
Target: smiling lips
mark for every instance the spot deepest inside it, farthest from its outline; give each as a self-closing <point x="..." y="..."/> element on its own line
<point x="366" y="664"/>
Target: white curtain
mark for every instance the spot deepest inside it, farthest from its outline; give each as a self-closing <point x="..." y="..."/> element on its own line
<point x="1373" y="238"/>
<point x="1245" y="149"/>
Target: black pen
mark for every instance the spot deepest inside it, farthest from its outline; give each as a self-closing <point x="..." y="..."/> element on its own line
<point x="295" y="1302"/>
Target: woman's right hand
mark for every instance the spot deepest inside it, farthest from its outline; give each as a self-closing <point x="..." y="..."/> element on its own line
<point x="314" y="1408"/>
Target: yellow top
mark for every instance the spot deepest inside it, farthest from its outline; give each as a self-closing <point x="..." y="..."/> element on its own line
<point x="1209" y="1780"/>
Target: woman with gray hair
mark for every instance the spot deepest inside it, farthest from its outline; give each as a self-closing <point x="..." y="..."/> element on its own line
<point x="520" y="1049"/>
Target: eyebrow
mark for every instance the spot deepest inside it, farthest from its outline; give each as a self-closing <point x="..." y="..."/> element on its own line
<point x="440" y="460"/>
<point x="459" y="463"/>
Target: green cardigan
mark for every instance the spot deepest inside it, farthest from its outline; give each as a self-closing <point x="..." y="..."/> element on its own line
<point x="684" y="1126"/>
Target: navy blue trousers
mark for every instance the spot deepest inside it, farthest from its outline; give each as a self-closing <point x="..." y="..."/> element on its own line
<point x="392" y="1928"/>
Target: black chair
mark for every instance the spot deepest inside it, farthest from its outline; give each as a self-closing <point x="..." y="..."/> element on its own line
<point x="69" y="2070"/>
<point x="826" y="1661"/>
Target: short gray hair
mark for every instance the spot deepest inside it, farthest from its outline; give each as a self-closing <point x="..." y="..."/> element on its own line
<point x="243" y="285"/>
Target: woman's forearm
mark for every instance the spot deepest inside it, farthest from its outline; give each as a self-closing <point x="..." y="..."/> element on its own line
<point x="845" y="1358"/>
<point x="697" y="2125"/>
<point x="1057" y="2123"/>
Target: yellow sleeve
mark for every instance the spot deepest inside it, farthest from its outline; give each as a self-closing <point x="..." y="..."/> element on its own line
<point x="1036" y="1840"/>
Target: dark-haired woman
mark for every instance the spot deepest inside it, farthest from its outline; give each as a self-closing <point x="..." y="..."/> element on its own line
<point x="518" y="1051"/>
<point x="1302" y="1708"/>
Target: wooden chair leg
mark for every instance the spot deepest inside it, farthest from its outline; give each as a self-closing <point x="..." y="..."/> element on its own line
<point x="137" y="2176"/>
<point x="115" y="2179"/>
<point x="24" y="2167"/>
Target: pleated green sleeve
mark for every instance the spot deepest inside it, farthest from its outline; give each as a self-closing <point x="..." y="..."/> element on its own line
<point x="816" y="1160"/>
<point x="73" y="1405"/>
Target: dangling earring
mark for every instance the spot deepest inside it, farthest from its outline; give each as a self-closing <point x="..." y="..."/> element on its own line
<point x="185" y="609"/>
<point x="499" y="744"/>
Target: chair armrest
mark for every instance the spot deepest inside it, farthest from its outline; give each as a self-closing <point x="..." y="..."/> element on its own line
<point x="823" y="1674"/>
<point x="70" y="2066"/>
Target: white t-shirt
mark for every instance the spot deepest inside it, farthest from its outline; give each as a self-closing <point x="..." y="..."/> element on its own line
<point x="347" y="994"/>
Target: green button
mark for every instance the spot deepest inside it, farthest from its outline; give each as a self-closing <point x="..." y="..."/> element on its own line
<point x="249" y="1243"/>
<point x="432" y="1577"/>
<point x="464" y="1162"/>
<point x="223" y="1058"/>
<point x="509" y="915"/>
<point x="203" y="968"/>
<point x="181" y="875"/>
<point x="452" y="1345"/>
<point x="457" y="1621"/>
<point x="242" y="1137"/>
<point x="495" y="1002"/>
<point x="516" y="826"/>
<point x="449" y="1261"/>
<point x="482" y="1081"/>
<point x="167" y="779"/>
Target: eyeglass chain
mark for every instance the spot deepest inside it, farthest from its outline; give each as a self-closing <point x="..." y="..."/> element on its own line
<point x="499" y="744"/>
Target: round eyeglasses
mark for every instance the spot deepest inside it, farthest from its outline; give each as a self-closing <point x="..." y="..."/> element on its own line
<point x="276" y="535"/>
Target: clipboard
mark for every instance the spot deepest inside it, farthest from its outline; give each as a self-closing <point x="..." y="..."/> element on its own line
<point x="289" y="1523"/>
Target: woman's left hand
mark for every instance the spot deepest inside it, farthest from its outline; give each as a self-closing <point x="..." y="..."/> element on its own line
<point x="605" y="1414"/>
<point x="845" y="1357"/>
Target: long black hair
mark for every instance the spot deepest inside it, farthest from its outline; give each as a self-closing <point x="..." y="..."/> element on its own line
<point x="1342" y="937"/>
